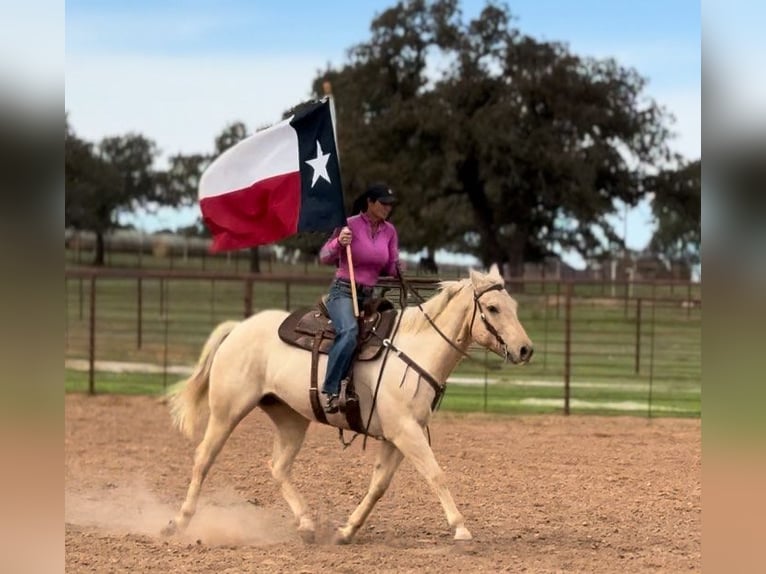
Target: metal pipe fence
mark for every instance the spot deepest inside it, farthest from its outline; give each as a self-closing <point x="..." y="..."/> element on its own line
<point x="630" y="348"/>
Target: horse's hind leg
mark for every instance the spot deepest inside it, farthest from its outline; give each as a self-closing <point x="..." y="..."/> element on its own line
<point x="290" y="432"/>
<point x="386" y="464"/>
<point x="413" y="444"/>
<point x="218" y="430"/>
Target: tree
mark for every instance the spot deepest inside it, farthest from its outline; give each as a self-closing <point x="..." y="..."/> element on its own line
<point x="231" y="135"/>
<point x="517" y="149"/>
<point x="102" y="180"/>
<point x="91" y="197"/>
<point x="178" y="185"/>
<point x="677" y="210"/>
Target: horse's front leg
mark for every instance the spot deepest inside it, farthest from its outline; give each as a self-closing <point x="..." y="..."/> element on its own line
<point x="386" y="464"/>
<point x="290" y="432"/>
<point x="413" y="444"/>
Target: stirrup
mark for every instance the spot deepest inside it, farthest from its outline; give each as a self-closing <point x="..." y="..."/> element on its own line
<point x="331" y="406"/>
<point x="344" y="398"/>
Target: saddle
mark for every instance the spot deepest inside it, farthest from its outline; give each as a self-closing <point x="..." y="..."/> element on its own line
<point x="302" y="327"/>
<point x="311" y="329"/>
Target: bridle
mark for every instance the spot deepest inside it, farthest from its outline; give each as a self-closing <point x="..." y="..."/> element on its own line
<point x="477" y="307"/>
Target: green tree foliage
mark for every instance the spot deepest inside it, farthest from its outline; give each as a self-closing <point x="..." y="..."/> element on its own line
<point x="94" y="191"/>
<point x="177" y="186"/>
<point x="499" y="144"/>
<point x="677" y="210"/>
<point x="232" y="134"/>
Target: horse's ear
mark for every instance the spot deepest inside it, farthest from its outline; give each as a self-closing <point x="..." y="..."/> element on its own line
<point x="494" y="272"/>
<point x="479" y="280"/>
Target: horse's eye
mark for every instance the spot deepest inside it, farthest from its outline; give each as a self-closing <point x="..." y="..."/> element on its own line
<point x="492" y="309"/>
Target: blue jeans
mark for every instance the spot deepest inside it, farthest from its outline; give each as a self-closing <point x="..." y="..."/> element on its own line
<point x="341" y="311"/>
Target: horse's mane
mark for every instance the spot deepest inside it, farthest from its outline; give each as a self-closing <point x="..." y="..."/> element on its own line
<point x="413" y="321"/>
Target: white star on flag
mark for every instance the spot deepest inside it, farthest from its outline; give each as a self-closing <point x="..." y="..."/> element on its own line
<point x="319" y="165"/>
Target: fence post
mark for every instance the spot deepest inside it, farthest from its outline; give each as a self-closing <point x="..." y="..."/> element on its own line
<point x="212" y="300"/>
<point x="638" y="335"/>
<point x="248" y="297"/>
<point x="545" y="333"/>
<point x="66" y="313"/>
<point x="139" y="304"/>
<point x="92" y="338"/>
<point x="651" y="357"/>
<point x="287" y="295"/>
<point x="567" y="345"/>
<point x="80" y="298"/>
<point x="166" y="324"/>
<point x="626" y="297"/>
<point x="162" y="295"/>
<point x="689" y="299"/>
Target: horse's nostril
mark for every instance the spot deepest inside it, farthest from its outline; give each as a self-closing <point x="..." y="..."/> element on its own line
<point x="526" y="353"/>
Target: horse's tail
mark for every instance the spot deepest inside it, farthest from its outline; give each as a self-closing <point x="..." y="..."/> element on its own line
<point x="186" y="396"/>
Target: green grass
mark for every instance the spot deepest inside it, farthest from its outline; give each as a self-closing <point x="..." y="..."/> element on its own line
<point x="118" y="383"/>
<point x="520" y="398"/>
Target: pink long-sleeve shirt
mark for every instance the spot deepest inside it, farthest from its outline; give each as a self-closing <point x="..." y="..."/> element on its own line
<point x="374" y="254"/>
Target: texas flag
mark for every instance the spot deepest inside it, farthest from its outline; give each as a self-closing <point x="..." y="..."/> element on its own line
<point x="277" y="182"/>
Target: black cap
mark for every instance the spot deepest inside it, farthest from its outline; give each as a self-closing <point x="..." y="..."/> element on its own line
<point x="381" y="192"/>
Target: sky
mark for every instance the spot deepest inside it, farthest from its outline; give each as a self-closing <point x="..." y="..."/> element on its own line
<point x="179" y="71"/>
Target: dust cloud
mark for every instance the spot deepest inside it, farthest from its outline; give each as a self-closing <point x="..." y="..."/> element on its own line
<point x="223" y="518"/>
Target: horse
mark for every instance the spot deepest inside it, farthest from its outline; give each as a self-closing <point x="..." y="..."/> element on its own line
<point x="244" y="364"/>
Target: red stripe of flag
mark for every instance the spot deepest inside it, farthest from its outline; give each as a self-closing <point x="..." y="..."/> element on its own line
<point x="273" y="203"/>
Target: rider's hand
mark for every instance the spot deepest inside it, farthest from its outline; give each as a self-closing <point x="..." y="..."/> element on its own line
<point x="344" y="238"/>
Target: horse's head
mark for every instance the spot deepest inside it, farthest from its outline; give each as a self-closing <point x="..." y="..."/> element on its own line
<point x="494" y="323"/>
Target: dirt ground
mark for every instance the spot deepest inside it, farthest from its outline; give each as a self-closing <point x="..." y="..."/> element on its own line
<point x="539" y="493"/>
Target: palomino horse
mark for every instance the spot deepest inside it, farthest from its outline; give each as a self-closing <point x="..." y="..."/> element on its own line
<point x="245" y="364"/>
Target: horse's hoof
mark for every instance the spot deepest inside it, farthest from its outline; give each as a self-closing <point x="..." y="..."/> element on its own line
<point x="462" y="534"/>
<point x="340" y="538"/>
<point x="308" y="536"/>
<point x="170" y="529"/>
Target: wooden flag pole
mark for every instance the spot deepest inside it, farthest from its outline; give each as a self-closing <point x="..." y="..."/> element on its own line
<point x="327" y="88"/>
<point x="353" y="282"/>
